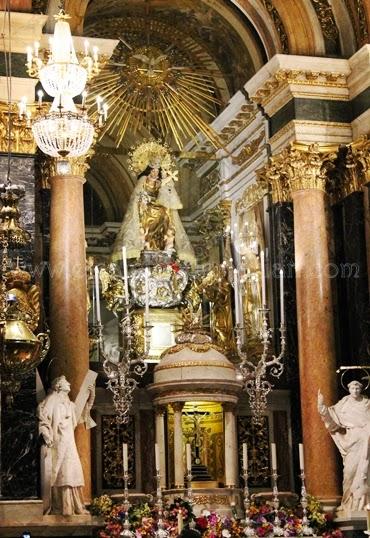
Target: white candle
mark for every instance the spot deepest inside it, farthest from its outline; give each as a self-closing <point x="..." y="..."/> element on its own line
<point x="179" y="522"/>
<point x="236" y="296"/>
<point x="146" y="318"/>
<point x="95" y="54"/>
<point x="368" y="518"/>
<point x="282" y="315"/>
<point x="301" y="457"/>
<point x="97" y="294"/>
<point x="188" y="457"/>
<point x="40" y="95"/>
<point x="273" y="457"/>
<point x="125" y="272"/>
<point x="36" y="48"/>
<point x="157" y="458"/>
<point x="125" y="457"/>
<point x="245" y="457"/>
<point x="263" y="279"/>
<point x="86" y="45"/>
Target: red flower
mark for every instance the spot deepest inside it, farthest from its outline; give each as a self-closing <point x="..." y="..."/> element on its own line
<point x="202" y="522"/>
<point x="175" y="267"/>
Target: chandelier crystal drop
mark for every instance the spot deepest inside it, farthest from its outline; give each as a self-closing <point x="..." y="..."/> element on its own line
<point x="65" y="130"/>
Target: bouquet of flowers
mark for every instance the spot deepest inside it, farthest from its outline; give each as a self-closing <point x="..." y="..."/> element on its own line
<point x="144" y="520"/>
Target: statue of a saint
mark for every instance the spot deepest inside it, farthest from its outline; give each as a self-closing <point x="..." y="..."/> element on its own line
<point x="152" y="222"/>
<point x="348" y="422"/>
<point x="62" y="478"/>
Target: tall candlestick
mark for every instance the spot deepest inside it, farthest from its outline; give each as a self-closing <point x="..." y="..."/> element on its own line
<point x="301" y="457"/>
<point x="188" y="457"/>
<point x="263" y="279"/>
<point x="125" y="272"/>
<point x="273" y="457"/>
<point x="146" y="294"/>
<point x="125" y="457"/>
<point x="157" y="458"/>
<point x="245" y="457"/>
<point x="236" y="296"/>
<point x="282" y="314"/>
<point x="29" y="56"/>
<point x="97" y="294"/>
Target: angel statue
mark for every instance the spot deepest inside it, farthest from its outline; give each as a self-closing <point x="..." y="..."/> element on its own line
<point x="152" y="222"/>
<point x="348" y="422"/>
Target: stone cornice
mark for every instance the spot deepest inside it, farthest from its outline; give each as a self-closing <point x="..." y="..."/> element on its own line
<point x="288" y="76"/>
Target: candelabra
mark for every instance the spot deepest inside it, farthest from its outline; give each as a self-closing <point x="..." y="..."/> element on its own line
<point x="161" y="532"/>
<point x="306" y="528"/>
<point x="126" y="504"/>
<point x="249" y="529"/>
<point x="277" y="530"/>
<point x="254" y="373"/>
<point x="125" y="367"/>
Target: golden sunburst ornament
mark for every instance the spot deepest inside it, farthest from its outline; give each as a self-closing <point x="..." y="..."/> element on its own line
<point x="144" y="89"/>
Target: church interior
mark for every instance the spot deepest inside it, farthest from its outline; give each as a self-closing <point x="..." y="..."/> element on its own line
<point x="185" y="268"/>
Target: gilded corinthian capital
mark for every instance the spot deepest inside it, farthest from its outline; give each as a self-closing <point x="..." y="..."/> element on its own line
<point x="298" y="167"/>
<point x="307" y="168"/>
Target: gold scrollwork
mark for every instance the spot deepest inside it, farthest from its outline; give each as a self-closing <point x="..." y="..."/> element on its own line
<point x="21" y="137"/>
<point x="249" y="150"/>
<point x="212" y="499"/>
<point x="190" y="364"/>
<point x="252" y="196"/>
<point x="326" y="18"/>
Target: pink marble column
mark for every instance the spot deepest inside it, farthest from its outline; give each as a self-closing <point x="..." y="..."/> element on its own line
<point x="68" y="299"/>
<point x="317" y="362"/>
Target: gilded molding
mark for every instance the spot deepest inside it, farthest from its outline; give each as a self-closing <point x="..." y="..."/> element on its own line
<point x="242" y="119"/>
<point x="21" y="137"/>
<point x="357" y="15"/>
<point x="198" y="348"/>
<point x="284" y="77"/>
<point x="190" y="364"/>
<point x="252" y="196"/>
<point x="248" y="151"/>
<point x="326" y="18"/>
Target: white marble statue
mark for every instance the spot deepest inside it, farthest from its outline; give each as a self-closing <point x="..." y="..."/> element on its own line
<point x="348" y="422"/>
<point x="61" y="471"/>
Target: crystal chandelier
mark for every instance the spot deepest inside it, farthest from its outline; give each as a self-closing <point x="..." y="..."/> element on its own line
<point x="65" y="130"/>
<point x="254" y="371"/>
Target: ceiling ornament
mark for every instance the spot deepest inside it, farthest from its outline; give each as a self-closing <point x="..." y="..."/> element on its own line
<point x="147" y="88"/>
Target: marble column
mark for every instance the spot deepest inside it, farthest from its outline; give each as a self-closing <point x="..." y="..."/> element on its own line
<point x="68" y="295"/>
<point x="178" y="445"/>
<point x="316" y="345"/>
<point x="160" y="439"/>
<point x="231" y="446"/>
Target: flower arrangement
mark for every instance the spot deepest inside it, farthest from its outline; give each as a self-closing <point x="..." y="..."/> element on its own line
<point x="144" y="520"/>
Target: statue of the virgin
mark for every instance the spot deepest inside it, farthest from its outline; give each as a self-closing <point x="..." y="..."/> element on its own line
<point x="152" y="222"/>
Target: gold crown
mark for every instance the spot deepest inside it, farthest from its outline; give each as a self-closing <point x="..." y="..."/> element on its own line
<point x="17" y="276"/>
<point x="150" y="153"/>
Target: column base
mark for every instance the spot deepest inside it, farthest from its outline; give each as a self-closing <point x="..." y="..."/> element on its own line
<point x="330" y="504"/>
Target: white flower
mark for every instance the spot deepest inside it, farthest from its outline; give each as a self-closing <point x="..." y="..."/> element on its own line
<point x="206" y="513"/>
<point x="226" y="533"/>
